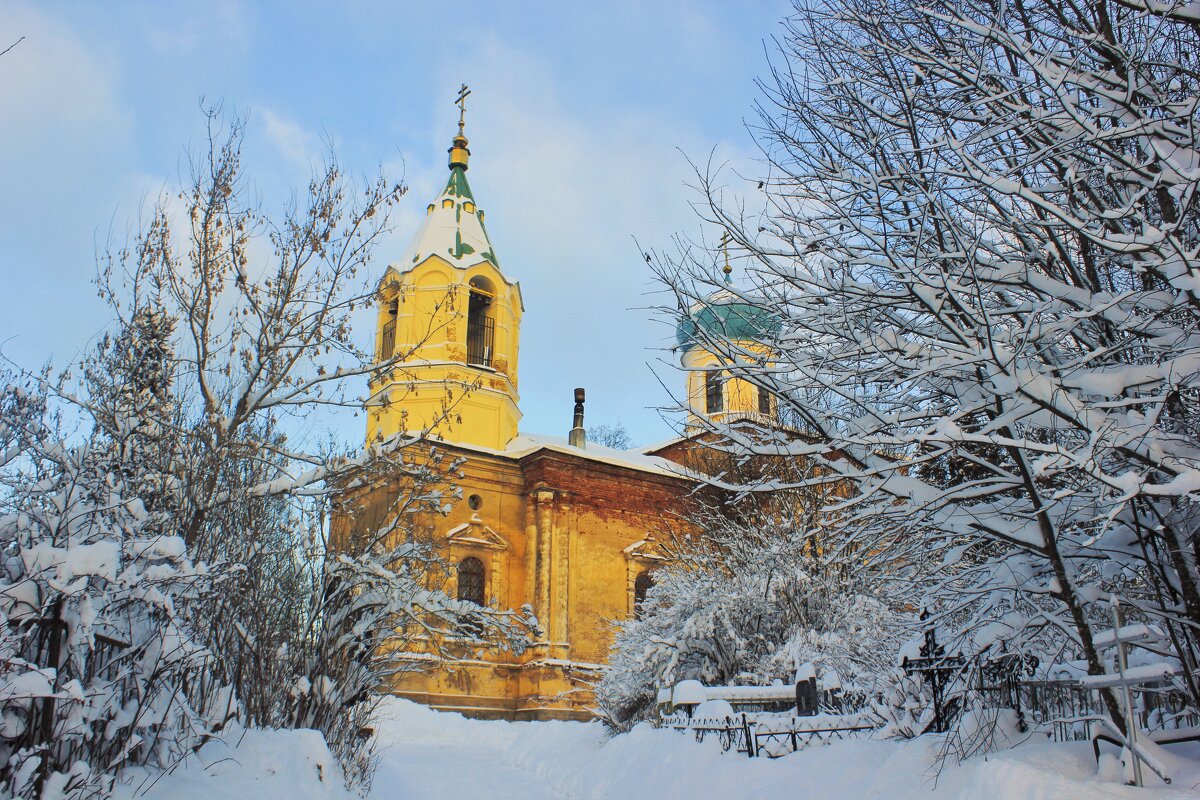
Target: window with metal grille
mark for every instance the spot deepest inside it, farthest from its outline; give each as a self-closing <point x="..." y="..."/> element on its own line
<point x="764" y="401"/>
<point x="641" y="585"/>
<point x="470" y="580"/>
<point x="714" y="392"/>
<point x="481" y="330"/>
<point x="388" y="346"/>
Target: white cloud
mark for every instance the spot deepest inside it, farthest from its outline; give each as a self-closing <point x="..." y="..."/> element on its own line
<point x="181" y="33"/>
<point x="296" y="145"/>
<point x="64" y="126"/>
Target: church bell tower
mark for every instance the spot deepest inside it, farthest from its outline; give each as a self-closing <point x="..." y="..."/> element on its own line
<point x="448" y="325"/>
<point x="718" y="339"/>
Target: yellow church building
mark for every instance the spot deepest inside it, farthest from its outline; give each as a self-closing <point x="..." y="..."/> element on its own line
<point x="571" y="529"/>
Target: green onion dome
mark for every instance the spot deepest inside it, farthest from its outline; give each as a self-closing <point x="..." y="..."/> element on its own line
<point x="725" y="316"/>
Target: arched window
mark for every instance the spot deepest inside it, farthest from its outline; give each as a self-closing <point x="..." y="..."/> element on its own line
<point x="641" y="585"/>
<point x="387" y="346"/>
<point x="481" y="328"/>
<point x="714" y="395"/>
<point x="470" y="580"/>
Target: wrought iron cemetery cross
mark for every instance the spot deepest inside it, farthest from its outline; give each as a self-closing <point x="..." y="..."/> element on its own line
<point x="936" y="669"/>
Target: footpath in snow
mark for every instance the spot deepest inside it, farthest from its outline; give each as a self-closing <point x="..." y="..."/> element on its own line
<point x="427" y="755"/>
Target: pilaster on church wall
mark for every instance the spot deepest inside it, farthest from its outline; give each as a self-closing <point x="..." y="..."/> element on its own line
<point x="543" y="564"/>
<point x="495" y="570"/>
<point x="530" y="555"/>
<point x="564" y="527"/>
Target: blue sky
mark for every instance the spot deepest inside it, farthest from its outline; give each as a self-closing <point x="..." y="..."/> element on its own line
<point x="581" y="120"/>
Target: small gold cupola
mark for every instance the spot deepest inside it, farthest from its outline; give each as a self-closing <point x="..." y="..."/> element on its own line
<point x="459" y="153"/>
<point x="720" y="338"/>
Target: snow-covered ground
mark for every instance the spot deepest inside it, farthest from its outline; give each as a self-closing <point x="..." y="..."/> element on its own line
<point x="429" y="755"/>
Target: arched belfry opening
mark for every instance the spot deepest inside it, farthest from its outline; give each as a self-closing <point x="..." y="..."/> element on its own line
<point x="481" y="322"/>
<point x="387" y="343"/>
<point x="714" y="392"/>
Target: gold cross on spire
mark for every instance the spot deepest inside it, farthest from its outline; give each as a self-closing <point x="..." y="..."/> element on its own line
<point x="461" y="102"/>
<point x="725" y="240"/>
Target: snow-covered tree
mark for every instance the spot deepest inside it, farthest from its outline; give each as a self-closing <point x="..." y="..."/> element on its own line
<point x="615" y="436"/>
<point x="380" y="593"/>
<point x="981" y="240"/>
<point x="747" y="629"/>
<point x="263" y="310"/>
<point x="193" y="433"/>
<point x="129" y="381"/>
<point x="100" y="661"/>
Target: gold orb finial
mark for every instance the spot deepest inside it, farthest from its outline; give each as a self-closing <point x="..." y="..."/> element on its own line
<point x="728" y="270"/>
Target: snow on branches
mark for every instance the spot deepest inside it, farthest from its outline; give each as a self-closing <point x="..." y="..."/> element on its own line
<point x="982" y="244"/>
<point x="744" y="629"/>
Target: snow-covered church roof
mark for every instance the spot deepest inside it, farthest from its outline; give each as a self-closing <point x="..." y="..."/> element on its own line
<point x="526" y="444"/>
<point x="453" y="228"/>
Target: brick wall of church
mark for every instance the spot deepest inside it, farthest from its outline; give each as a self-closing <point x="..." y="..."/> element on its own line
<point x="607" y="509"/>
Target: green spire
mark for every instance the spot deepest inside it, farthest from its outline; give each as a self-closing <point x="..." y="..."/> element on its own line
<point x="457" y="185"/>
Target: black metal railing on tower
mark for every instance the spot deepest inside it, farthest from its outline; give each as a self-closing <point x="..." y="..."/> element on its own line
<point x="481" y="332"/>
<point x="387" y="347"/>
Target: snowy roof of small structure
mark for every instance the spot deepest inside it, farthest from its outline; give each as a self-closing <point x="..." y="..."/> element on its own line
<point x="453" y="228"/>
<point x="688" y="693"/>
<point x="750" y="693"/>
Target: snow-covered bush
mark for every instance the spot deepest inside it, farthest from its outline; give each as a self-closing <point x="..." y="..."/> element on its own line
<point x="756" y="588"/>
<point x="904" y="704"/>
<point x="748" y="622"/>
